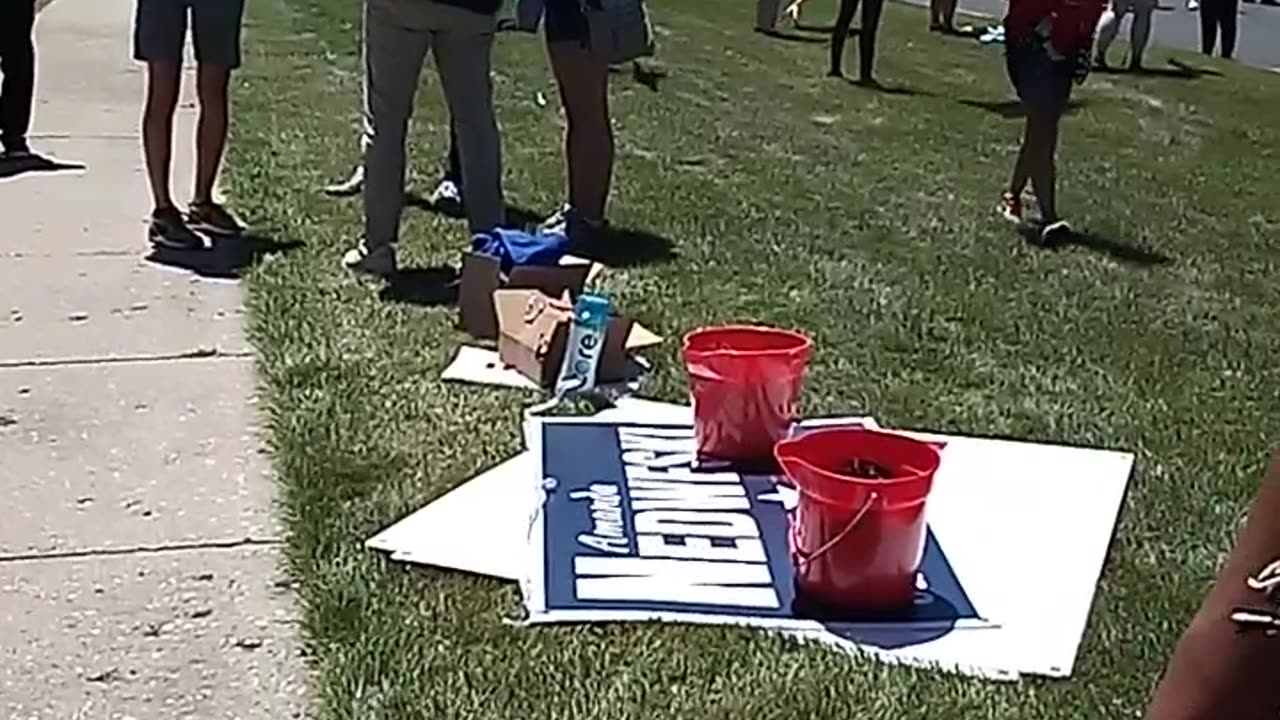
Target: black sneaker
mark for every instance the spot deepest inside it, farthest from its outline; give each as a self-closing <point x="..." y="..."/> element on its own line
<point x="169" y="230"/>
<point x="15" y="150"/>
<point x="213" y="218"/>
<point x="1056" y="234"/>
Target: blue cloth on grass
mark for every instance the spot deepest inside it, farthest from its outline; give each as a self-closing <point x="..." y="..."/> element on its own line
<point x="517" y="247"/>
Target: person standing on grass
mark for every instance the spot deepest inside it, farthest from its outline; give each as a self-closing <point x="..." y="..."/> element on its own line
<point x="1224" y="665"/>
<point x="871" y="10"/>
<point x="397" y="36"/>
<point x="1219" y="17"/>
<point x="160" y="32"/>
<point x="1139" y="31"/>
<point x="18" y="66"/>
<point x="1049" y="46"/>
<point x="942" y="16"/>
<point x="582" y="76"/>
<point x="447" y="195"/>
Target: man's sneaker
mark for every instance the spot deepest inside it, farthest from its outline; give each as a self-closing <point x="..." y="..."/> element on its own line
<point x="1056" y="234"/>
<point x="213" y="218"/>
<point x="169" y="230"/>
<point x="378" y="262"/>
<point x="447" y="198"/>
<point x="1011" y="208"/>
<point x="347" y="188"/>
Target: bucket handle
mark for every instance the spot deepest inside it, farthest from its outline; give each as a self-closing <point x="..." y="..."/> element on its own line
<point x="805" y="559"/>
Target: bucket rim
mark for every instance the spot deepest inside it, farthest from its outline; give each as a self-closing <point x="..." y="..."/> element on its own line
<point x="889" y="489"/>
<point x="804" y="342"/>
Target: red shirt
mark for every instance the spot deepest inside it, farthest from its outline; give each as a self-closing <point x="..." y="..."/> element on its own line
<point x="1073" y="21"/>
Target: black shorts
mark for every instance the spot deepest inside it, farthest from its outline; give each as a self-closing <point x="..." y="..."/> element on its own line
<point x="565" y="22"/>
<point x="1043" y="84"/>
<point x="160" y="30"/>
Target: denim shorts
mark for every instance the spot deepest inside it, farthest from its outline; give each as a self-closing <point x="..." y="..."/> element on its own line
<point x="1043" y="84"/>
<point x="160" y="30"/>
<point x="565" y="22"/>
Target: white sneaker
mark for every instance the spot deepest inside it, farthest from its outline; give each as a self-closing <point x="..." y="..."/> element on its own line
<point x="1056" y="234"/>
<point x="1193" y="5"/>
<point x="379" y="262"/>
<point x="447" y="197"/>
<point x="349" y="187"/>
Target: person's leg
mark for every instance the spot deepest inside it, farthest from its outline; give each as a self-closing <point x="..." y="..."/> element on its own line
<point x="1022" y="165"/>
<point x="463" y="58"/>
<point x="840" y="34"/>
<point x="935" y="14"/>
<point x="159" y="33"/>
<point x="18" y="66"/>
<point x="1208" y="26"/>
<point x="1108" y="28"/>
<point x="355" y="180"/>
<point x="1041" y="144"/>
<point x="453" y="170"/>
<point x="1229" y="17"/>
<point x="393" y="64"/>
<point x="217" y="39"/>
<point x="583" y="78"/>
<point x="949" y="15"/>
<point x="871" y="10"/>
<point x="1140" y="32"/>
<point x="767" y="15"/>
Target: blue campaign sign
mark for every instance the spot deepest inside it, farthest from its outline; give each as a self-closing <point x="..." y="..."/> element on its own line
<point x="630" y="530"/>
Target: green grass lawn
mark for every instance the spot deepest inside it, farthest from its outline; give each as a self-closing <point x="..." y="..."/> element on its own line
<point x="790" y="199"/>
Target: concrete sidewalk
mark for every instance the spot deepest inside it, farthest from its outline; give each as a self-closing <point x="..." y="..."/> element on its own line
<point x="140" y="568"/>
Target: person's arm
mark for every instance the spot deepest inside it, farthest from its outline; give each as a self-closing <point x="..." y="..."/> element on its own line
<point x="1223" y="669"/>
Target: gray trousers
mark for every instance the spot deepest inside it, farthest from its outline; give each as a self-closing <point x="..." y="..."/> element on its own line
<point x="398" y="34"/>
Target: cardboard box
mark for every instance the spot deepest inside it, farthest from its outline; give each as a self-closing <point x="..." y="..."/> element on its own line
<point x="533" y="330"/>
<point x="481" y="275"/>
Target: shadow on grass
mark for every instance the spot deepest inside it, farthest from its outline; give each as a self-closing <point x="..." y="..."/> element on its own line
<point x="792" y="37"/>
<point x="1176" y="69"/>
<point x="425" y="287"/>
<point x="1012" y="109"/>
<point x="825" y="29"/>
<point x="1115" y="249"/>
<point x="517" y="216"/>
<point x="227" y="257"/>
<point x="879" y="87"/>
<point x="625" y="248"/>
<point x="648" y="75"/>
<point x="33" y="164"/>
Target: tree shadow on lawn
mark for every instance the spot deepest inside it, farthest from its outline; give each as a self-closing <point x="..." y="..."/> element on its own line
<point x="226" y="258"/>
<point x="1115" y="249"/>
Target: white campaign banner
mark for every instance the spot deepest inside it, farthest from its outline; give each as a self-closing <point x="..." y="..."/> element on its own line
<point x="602" y="520"/>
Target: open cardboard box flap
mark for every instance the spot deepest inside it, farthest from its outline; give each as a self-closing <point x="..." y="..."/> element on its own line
<point x="481" y="275"/>
<point x="533" y="331"/>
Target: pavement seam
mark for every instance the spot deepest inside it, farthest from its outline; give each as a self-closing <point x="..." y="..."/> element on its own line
<point x="199" y="354"/>
<point x="143" y="550"/>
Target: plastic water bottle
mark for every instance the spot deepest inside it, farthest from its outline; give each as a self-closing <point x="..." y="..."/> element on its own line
<point x="586" y="342"/>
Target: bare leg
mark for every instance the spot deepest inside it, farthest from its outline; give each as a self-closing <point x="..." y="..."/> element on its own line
<point x="211" y="129"/>
<point x="840" y="34"/>
<point x="871" y="10"/>
<point x="1140" y="34"/>
<point x="1021" y="173"/>
<point x="163" y="82"/>
<point x="1108" y="28"/>
<point x="584" y="89"/>
<point x="1042" y="145"/>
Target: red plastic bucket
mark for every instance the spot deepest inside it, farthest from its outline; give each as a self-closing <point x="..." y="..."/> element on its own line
<point x="857" y="540"/>
<point x="745" y="385"/>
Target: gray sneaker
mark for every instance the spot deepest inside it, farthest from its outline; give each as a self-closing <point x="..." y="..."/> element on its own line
<point x="378" y="262"/>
